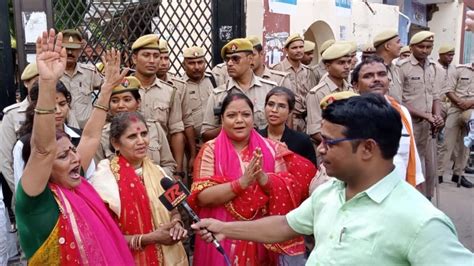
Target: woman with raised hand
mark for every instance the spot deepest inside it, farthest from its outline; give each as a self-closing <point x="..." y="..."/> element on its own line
<point x="61" y="117"/>
<point x="61" y="218"/>
<point x="241" y="176"/>
<point x="129" y="183"/>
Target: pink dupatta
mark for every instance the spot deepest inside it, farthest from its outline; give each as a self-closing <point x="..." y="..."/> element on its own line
<point x="90" y="235"/>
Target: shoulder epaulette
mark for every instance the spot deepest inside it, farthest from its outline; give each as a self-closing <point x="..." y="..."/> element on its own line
<point x="274" y="65"/>
<point x="268" y="81"/>
<point x="219" y="89"/>
<point x="178" y="80"/>
<point x="279" y="73"/>
<point x="166" y="84"/>
<point x="317" y="87"/>
<point x="208" y="74"/>
<point x="221" y="65"/>
<point x="403" y="61"/>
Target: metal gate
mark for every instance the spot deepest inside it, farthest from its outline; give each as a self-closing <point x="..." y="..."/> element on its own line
<point x="107" y="24"/>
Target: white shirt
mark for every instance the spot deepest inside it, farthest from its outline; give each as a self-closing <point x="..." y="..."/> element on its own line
<point x="401" y="158"/>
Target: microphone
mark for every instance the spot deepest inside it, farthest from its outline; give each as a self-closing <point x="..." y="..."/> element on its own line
<point x="175" y="194"/>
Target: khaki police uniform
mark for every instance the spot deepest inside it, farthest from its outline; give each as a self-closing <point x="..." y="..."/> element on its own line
<point x="302" y="80"/>
<point x="221" y="74"/>
<point x="186" y="110"/>
<point x="198" y="94"/>
<point x="319" y="71"/>
<point x="158" y="148"/>
<point x="325" y="87"/>
<point x="281" y="78"/>
<point x="393" y="90"/>
<point x="442" y="76"/>
<point x="257" y="93"/>
<point x="13" y="118"/>
<point x="461" y="83"/>
<point x="419" y="90"/>
<point x="81" y="85"/>
<point x="160" y="102"/>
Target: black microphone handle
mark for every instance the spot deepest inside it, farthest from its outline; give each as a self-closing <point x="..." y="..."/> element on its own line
<point x="190" y="211"/>
<point x="196" y="219"/>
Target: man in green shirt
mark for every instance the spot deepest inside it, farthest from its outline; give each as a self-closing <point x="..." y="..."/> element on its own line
<point x="367" y="216"/>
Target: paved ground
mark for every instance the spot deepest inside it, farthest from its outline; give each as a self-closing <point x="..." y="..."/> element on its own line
<point x="458" y="204"/>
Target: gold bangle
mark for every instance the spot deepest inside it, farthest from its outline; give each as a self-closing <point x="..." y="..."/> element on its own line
<point x="140" y="247"/>
<point x="101" y="107"/>
<point x="41" y="111"/>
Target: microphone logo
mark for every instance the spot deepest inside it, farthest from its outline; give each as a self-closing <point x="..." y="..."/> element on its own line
<point x="174" y="195"/>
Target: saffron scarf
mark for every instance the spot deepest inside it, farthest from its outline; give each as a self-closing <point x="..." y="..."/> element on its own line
<point x="141" y="211"/>
<point x="411" y="167"/>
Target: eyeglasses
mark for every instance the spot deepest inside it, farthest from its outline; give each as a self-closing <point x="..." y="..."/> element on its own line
<point x="278" y="106"/>
<point x="234" y="58"/>
<point x="328" y="143"/>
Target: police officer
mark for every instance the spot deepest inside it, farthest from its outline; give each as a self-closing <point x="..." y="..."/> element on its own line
<point x="124" y="97"/>
<point x="337" y="59"/>
<point x="460" y="91"/>
<point x="443" y="70"/>
<point x="404" y="52"/>
<point x="353" y="53"/>
<point x="220" y="72"/>
<point x="259" y="68"/>
<point x="320" y="68"/>
<point x="80" y="79"/>
<point x="160" y="100"/>
<point x="13" y="118"/>
<point x="368" y="50"/>
<point x="199" y="83"/>
<point x="388" y="46"/>
<point x="446" y="55"/>
<point x="180" y="85"/>
<point x="420" y="94"/>
<point x="238" y="55"/>
<point x="308" y="53"/>
<point x="301" y="77"/>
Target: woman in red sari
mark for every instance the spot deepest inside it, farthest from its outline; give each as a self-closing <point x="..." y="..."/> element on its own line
<point x="240" y="175"/>
<point x="129" y="183"/>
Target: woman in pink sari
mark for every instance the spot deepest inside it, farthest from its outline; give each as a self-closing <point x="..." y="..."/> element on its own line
<point x="240" y="175"/>
<point x="61" y="218"/>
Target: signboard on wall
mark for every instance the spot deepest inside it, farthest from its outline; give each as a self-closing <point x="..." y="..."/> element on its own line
<point x="344" y="3"/>
<point x="287" y="7"/>
<point x="343" y="8"/>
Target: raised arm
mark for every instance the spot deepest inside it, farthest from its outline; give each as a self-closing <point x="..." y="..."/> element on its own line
<point x="92" y="133"/>
<point x="51" y="61"/>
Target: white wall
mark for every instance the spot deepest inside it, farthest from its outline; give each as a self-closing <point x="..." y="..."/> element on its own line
<point x="367" y="25"/>
<point x="446" y="24"/>
<point x="357" y="24"/>
<point x="255" y="12"/>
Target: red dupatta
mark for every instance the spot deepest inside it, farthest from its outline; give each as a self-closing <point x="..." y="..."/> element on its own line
<point x="136" y="215"/>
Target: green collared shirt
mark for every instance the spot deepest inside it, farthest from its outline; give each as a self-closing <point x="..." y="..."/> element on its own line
<point x="390" y="223"/>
